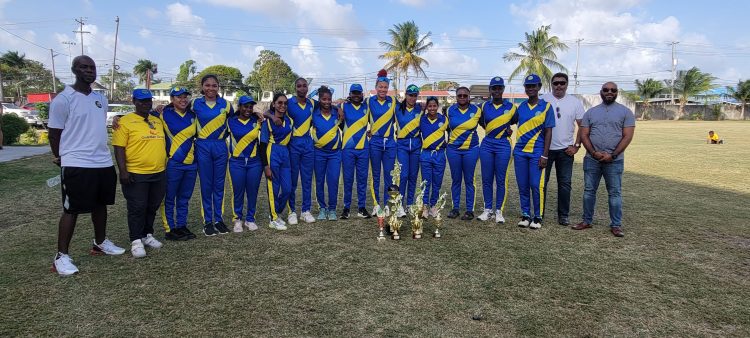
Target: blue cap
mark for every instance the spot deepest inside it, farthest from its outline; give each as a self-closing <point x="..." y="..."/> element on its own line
<point x="355" y="87"/>
<point x="497" y="81"/>
<point x="245" y="99"/>
<point x="412" y="89"/>
<point x="142" y="94"/>
<point x="177" y="91"/>
<point x="532" y="79"/>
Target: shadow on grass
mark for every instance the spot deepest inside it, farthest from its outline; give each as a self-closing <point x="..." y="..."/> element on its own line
<point x="681" y="270"/>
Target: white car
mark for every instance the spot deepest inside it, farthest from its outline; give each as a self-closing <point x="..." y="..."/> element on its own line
<point x="115" y="109"/>
<point x="10" y="108"/>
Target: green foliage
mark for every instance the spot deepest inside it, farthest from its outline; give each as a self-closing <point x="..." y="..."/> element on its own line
<point x="441" y="85"/>
<point x="537" y="55"/>
<point x="404" y="50"/>
<point x="141" y="69"/>
<point x="187" y="70"/>
<point x="43" y="108"/>
<point x="690" y="83"/>
<point x="230" y="78"/>
<point x="741" y="93"/>
<point x="270" y="73"/>
<point x="647" y="90"/>
<point x="124" y="85"/>
<point x="13" y="126"/>
<point x="22" y="76"/>
<point x="716" y="114"/>
<point x="29" y="137"/>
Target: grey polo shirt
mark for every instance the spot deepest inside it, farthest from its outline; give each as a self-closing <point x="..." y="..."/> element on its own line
<point x="606" y="123"/>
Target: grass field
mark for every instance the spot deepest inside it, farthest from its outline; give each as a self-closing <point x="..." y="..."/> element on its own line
<point x="682" y="269"/>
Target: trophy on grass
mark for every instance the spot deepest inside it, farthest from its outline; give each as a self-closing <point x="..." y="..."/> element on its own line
<point x="381" y="223"/>
<point x="415" y="211"/>
<point x="394" y="201"/>
<point x="439" y="219"/>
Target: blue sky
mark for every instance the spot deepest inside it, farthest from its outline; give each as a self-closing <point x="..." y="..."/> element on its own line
<point x="336" y="41"/>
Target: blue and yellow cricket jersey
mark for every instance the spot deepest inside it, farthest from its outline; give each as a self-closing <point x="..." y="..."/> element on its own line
<point x="408" y="121"/>
<point x="325" y="130"/>
<point x="212" y="120"/>
<point x="433" y="132"/>
<point x="272" y="134"/>
<point x="381" y="116"/>
<point x="355" y="126"/>
<point x="497" y="119"/>
<point x="180" y="129"/>
<point x="243" y="137"/>
<point x="532" y="120"/>
<point x="301" y="114"/>
<point x="462" y="126"/>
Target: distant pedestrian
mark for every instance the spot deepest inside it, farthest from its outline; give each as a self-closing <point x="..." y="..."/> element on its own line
<point x="78" y="138"/>
<point x="606" y="130"/>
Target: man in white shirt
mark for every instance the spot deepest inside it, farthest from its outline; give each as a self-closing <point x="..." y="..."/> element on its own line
<point x="78" y="138"/>
<point x="568" y="111"/>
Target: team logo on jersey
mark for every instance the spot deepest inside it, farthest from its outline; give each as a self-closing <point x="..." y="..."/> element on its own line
<point x="98" y="104"/>
<point x="538" y="113"/>
<point x="507" y="111"/>
<point x="471" y="115"/>
<point x="440" y="124"/>
<point x="389" y="104"/>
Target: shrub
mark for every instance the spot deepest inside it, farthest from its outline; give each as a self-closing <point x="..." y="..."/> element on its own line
<point x="43" y="108"/>
<point x="28" y="137"/>
<point x="13" y="127"/>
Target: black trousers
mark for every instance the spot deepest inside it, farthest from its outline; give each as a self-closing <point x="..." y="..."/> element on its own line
<point x="144" y="195"/>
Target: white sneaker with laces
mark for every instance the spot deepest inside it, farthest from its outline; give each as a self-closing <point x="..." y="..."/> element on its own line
<point x="151" y="242"/>
<point x="499" y="217"/>
<point x="108" y="248"/>
<point x="281" y="221"/>
<point x="400" y="212"/>
<point x="292" y="218"/>
<point x="63" y="265"/>
<point x="279" y="225"/>
<point x="251" y="226"/>
<point x="136" y="249"/>
<point x="307" y="217"/>
<point x="485" y="215"/>
<point x="535" y="224"/>
<point x="237" y="226"/>
<point x="524" y="222"/>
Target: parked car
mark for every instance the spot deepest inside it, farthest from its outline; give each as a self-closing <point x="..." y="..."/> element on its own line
<point x="115" y="109"/>
<point x="32" y="118"/>
<point x="10" y="108"/>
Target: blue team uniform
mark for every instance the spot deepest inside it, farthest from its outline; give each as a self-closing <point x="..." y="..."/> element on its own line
<point x="211" y="154"/>
<point x="301" y="150"/>
<point x="356" y="152"/>
<point x="409" y="147"/>
<point x="532" y="121"/>
<point x="327" y="138"/>
<point x="382" y="144"/>
<point x="432" y="158"/>
<point x="277" y="156"/>
<point x="463" y="151"/>
<point x="245" y="166"/>
<point x="179" y="128"/>
<point x="494" y="153"/>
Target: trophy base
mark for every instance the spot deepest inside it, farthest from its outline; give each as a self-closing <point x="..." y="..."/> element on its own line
<point x="395" y="237"/>
<point x="416" y="236"/>
<point x="437" y="235"/>
<point x="381" y="235"/>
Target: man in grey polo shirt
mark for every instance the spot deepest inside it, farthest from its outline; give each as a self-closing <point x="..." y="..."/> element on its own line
<point x="606" y="130"/>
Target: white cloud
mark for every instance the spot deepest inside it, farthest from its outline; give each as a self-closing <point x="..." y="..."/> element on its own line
<point x="306" y="58"/>
<point x="443" y="58"/>
<point x="152" y="13"/>
<point x="182" y="15"/>
<point x="413" y="3"/>
<point x="472" y="32"/>
<point x="349" y="56"/>
<point x="144" y="33"/>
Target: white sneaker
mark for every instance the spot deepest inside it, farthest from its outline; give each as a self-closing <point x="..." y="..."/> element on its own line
<point x="535" y="224"/>
<point x="485" y="215"/>
<point x="400" y="212"/>
<point x="63" y="265"/>
<point x="524" y="222"/>
<point x="433" y="212"/>
<point x="106" y="248"/>
<point x="499" y="217"/>
<point x="237" y="226"/>
<point x="292" y="218"/>
<point x="281" y="221"/>
<point x="136" y="248"/>
<point x="279" y="225"/>
<point x="307" y="217"/>
<point x="151" y="242"/>
<point x="251" y="226"/>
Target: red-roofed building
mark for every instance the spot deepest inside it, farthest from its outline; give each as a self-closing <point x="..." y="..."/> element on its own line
<point x="444" y="96"/>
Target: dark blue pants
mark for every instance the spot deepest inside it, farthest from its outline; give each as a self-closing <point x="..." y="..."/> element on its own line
<point x="327" y="170"/>
<point x="462" y="166"/>
<point x="433" y="168"/>
<point x="280" y="185"/>
<point x="211" y="156"/>
<point x="495" y="164"/>
<point x="180" y="185"/>
<point x="563" y="164"/>
<point x="245" y="174"/>
<point x="302" y="158"/>
<point x="530" y="183"/>
<point x="355" y="160"/>
<point x="382" y="157"/>
<point x="408" y="151"/>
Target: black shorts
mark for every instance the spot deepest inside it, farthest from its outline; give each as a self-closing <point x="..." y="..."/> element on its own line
<point x="84" y="189"/>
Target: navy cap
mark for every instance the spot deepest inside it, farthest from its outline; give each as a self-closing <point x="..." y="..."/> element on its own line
<point x="245" y="99"/>
<point x="497" y="81"/>
<point x="355" y="87"/>
<point x="142" y="94"/>
<point x="532" y="79"/>
<point x="177" y="91"/>
<point x="412" y="89"/>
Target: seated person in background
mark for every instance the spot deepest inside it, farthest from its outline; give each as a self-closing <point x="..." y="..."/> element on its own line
<point x="713" y="138"/>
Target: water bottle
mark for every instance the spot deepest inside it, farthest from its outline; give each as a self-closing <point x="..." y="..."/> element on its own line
<point x="53" y="181"/>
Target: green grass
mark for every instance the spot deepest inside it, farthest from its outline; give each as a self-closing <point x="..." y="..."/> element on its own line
<point x="683" y="268"/>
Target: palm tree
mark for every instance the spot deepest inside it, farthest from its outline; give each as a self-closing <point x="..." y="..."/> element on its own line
<point x="741" y="94"/>
<point x="538" y="55"/>
<point x="648" y="90"/>
<point x="405" y="48"/>
<point x="14" y="59"/>
<point x="690" y="83"/>
<point x="144" y="69"/>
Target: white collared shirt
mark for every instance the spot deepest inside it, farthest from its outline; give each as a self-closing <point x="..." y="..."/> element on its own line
<point x="570" y="109"/>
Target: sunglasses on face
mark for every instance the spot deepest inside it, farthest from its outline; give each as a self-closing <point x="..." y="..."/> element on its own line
<point x="609" y="90"/>
<point x="462" y="95"/>
<point x="559" y="83"/>
<point x="412" y="95"/>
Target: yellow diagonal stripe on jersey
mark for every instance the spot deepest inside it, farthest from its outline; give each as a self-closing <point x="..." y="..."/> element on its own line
<point x="303" y="128"/>
<point x="212" y="126"/>
<point x="244" y="141"/>
<point x="409" y="127"/>
<point x="327" y="137"/>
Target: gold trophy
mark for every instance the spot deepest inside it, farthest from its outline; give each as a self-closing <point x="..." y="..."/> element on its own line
<point x="394" y="201"/>
<point x="381" y="224"/>
<point x="439" y="219"/>
<point x="415" y="210"/>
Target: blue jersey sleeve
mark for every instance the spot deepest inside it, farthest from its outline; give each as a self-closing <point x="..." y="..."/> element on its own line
<point x="264" y="132"/>
<point x="549" y="119"/>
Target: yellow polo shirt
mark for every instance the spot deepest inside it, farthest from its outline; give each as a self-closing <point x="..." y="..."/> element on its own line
<point x="144" y="143"/>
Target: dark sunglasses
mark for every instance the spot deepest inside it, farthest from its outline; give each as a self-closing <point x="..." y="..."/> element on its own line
<point x="609" y="90"/>
<point x="462" y="95"/>
<point x="412" y="95"/>
<point x="557" y="109"/>
<point x="559" y="83"/>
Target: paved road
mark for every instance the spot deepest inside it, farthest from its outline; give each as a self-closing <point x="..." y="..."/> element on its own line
<point x="16" y="152"/>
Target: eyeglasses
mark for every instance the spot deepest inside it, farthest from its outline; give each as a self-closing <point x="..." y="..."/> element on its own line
<point x="557" y="109"/>
<point x="559" y="83"/>
<point x="609" y="90"/>
<point x="412" y="95"/>
<point x="462" y="95"/>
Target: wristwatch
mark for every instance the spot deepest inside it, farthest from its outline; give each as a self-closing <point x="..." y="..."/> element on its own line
<point x="577" y="145"/>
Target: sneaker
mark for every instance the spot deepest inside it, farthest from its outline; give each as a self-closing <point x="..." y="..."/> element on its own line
<point x="499" y="217"/>
<point x="175" y="235"/>
<point x="345" y="213"/>
<point x="184" y="231"/>
<point x="307" y="217"/>
<point x="221" y="227"/>
<point x="323" y="215"/>
<point x="63" y="265"/>
<point x="400" y="212"/>
<point x="137" y="250"/>
<point x="151" y="242"/>
<point x="453" y="213"/>
<point x="564" y="221"/>
<point x="468" y="216"/>
<point x="485" y="215"/>
<point x="251" y="226"/>
<point x="536" y="223"/>
<point x="292" y="218"/>
<point x="279" y="225"/>
<point x="617" y="231"/>
<point x="332" y="215"/>
<point x="209" y="230"/>
<point x="525" y="221"/>
<point x="362" y="212"/>
<point x="106" y="248"/>
<point x="434" y="212"/>
<point x="237" y="225"/>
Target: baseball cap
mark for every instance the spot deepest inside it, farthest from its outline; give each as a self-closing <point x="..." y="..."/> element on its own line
<point x="412" y="89"/>
<point x="355" y="87"/>
<point x="245" y="99"/>
<point x="497" y="81"/>
<point x="532" y="79"/>
<point x="177" y="91"/>
<point x="142" y="94"/>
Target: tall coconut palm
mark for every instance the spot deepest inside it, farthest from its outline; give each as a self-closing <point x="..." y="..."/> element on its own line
<point x="404" y="50"/>
<point x="690" y="83"/>
<point x="648" y="90"/>
<point x="144" y="69"/>
<point x="741" y="93"/>
<point x="14" y="59"/>
<point x="538" y="55"/>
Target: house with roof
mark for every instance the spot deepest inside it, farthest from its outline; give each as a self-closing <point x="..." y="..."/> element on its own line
<point x="160" y="92"/>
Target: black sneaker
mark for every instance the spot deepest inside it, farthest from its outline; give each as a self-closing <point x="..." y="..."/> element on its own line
<point x="453" y="213"/>
<point x="175" y="235"/>
<point x="345" y="214"/>
<point x="362" y="212"/>
<point x="468" y="216"/>
<point x="221" y="228"/>
<point x="209" y="230"/>
<point x="564" y="221"/>
<point x="187" y="232"/>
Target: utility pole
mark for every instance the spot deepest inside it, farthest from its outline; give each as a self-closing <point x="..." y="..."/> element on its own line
<point x="54" y="83"/>
<point x="81" y="32"/>
<point x="70" y="56"/>
<point x="575" y="75"/>
<point x="114" y="60"/>
<point x="674" y="70"/>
